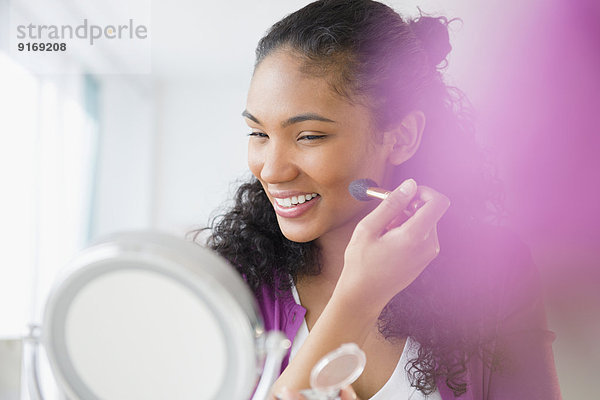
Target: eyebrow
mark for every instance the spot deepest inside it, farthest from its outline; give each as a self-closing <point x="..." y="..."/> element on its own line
<point x="291" y="120"/>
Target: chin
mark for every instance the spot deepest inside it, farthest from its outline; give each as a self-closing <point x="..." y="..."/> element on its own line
<point x="298" y="235"/>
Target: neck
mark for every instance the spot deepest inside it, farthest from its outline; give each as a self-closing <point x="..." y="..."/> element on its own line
<point x="319" y="288"/>
<point x="332" y="248"/>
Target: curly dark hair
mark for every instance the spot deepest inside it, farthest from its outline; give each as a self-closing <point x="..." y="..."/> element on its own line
<point x="367" y="51"/>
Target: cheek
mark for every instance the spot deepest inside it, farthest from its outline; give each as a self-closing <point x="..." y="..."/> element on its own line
<point x="337" y="170"/>
<point x="353" y="162"/>
<point x="370" y="161"/>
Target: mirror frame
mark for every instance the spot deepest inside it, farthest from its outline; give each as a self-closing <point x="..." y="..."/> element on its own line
<point x="206" y="274"/>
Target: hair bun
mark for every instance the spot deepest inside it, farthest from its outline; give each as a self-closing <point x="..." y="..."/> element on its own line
<point x="433" y="34"/>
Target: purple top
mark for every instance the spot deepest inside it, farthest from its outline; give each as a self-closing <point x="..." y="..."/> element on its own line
<point x="522" y="334"/>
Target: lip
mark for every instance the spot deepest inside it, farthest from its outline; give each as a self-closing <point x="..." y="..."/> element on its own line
<point x="295" y="211"/>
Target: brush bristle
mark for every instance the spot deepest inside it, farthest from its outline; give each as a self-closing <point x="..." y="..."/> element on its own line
<point x="358" y="188"/>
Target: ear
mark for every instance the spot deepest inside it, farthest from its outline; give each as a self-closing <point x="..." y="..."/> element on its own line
<point x="405" y="137"/>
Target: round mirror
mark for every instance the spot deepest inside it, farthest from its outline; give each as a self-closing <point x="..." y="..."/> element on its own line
<point x="148" y="316"/>
<point x="338" y="369"/>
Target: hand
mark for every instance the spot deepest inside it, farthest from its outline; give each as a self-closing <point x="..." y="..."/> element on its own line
<point x="346" y="394"/>
<point x="382" y="258"/>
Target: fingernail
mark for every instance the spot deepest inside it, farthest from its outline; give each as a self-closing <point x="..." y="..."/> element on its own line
<point x="287" y="394"/>
<point x="408" y="186"/>
<point x="353" y="393"/>
<point x="283" y="394"/>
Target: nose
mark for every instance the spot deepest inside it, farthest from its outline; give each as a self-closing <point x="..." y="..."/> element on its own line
<point x="278" y="163"/>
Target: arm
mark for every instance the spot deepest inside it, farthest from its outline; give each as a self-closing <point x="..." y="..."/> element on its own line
<point x="346" y="393"/>
<point x="395" y="256"/>
<point x="343" y="320"/>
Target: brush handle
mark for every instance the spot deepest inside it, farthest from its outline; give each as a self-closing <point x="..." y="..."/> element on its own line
<point x="382" y="194"/>
<point x="378" y="193"/>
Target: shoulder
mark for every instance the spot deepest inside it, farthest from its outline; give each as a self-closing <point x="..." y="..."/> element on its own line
<point x="504" y="284"/>
<point x="275" y="305"/>
<point x="523" y="363"/>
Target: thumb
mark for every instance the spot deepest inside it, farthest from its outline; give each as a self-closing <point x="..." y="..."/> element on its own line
<point x="348" y="393"/>
<point x="378" y="219"/>
<point x="288" y="394"/>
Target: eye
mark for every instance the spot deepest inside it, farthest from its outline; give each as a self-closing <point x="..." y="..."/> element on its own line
<point x="312" y="137"/>
<point x="258" y="134"/>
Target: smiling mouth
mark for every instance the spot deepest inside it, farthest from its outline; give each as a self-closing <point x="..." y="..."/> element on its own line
<point x="295" y="200"/>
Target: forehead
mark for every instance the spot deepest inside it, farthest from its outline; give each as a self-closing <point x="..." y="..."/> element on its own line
<point x="281" y="85"/>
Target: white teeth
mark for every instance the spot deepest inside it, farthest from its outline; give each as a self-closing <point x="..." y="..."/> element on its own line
<point x="295" y="200"/>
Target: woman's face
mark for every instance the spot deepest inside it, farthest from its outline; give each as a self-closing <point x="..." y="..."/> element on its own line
<point x="305" y="139"/>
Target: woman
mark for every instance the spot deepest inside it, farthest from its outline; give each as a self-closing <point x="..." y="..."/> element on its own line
<point x="440" y="299"/>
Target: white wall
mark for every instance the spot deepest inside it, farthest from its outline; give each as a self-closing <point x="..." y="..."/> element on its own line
<point x="201" y="150"/>
<point x="125" y="170"/>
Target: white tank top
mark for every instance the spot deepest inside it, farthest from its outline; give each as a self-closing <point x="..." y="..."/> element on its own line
<point x="398" y="386"/>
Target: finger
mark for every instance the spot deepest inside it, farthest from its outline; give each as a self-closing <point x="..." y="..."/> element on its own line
<point x="406" y="213"/>
<point x="399" y="220"/>
<point x="423" y="253"/>
<point x="414" y="205"/>
<point x="432" y="244"/>
<point x="377" y="220"/>
<point x="288" y="394"/>
<point x="436" y="242"/>
<point x="348" y="393"/>
<point x="426" y="217"/>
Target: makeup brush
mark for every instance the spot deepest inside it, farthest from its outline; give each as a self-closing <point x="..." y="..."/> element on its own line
<point x="367" y="189"/>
